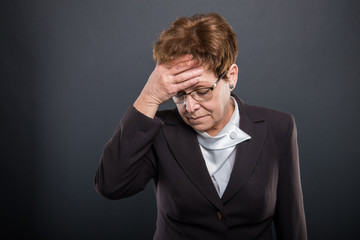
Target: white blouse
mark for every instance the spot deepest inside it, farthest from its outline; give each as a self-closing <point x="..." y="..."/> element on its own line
<point x="219" y="151"/>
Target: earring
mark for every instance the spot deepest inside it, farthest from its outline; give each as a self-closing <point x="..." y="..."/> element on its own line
<point x="231" y="86"/>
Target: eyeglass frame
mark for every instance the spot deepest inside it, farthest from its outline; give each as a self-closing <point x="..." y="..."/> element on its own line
<point x="221" y="76"/>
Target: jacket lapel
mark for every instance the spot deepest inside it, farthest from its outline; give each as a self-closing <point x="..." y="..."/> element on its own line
<point x="247" y="152"/>
<point x="184" y="145"/>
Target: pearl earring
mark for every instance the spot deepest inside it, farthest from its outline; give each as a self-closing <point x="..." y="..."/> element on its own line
<point x="231" y="86"/>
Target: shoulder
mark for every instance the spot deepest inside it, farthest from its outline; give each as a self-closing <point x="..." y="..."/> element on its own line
<point x="277" y="122"/>
<point x="272" y="115"/>
<point x="261" y="113"/>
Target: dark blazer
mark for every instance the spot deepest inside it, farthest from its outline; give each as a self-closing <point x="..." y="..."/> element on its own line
<point x="264" y="186"/>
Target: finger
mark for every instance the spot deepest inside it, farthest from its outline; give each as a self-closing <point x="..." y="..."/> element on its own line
<point x="184" y="66"/>
<point x="184" y="58"/>
<point x="187" y="84"/>
<point x="187" y="75"/>
<point x="171" y="63"/>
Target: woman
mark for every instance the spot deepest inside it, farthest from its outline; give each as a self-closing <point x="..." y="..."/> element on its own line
<point x="222" y="169"/>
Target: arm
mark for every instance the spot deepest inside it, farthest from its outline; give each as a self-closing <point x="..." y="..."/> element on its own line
<point x="126" y="164"/>
<point x="290" y="217"/>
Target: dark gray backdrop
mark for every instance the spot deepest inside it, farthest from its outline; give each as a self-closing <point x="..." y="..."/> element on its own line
<point x="69" y="70"/>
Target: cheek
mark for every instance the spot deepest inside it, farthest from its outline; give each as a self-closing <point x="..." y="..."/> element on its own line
<point x="217" y="109"/>
<point x="221" y="100"/>
<point x="218" y="113"/>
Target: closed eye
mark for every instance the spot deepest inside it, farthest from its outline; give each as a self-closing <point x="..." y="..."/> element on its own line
<point x="202" y="91"/>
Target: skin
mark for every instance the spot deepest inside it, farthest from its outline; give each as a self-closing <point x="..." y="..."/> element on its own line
<point x="187" y="74"/>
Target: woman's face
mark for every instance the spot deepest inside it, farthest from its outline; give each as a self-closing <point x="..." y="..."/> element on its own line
<point x="211" y="115"/>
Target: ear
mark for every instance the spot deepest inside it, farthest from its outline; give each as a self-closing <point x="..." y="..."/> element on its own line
<point x="232" y="75"/>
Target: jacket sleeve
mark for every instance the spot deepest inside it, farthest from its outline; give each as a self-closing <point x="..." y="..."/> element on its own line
<point x="127" y="163"/>
<point x="289" y="216"/>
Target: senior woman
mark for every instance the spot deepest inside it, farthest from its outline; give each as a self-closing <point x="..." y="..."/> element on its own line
<point x="222" y="169"/>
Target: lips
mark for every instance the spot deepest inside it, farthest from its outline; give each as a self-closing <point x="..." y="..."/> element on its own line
<point x="192" y="118"/>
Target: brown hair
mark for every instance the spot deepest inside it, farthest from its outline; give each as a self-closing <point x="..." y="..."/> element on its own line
<point x="207" y="37"/>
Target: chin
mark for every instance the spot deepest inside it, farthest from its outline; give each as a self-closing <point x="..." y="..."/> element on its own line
<point x="199" y="127"/>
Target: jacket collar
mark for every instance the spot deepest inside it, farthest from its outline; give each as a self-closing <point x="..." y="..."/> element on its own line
<point x="184" y="145"/>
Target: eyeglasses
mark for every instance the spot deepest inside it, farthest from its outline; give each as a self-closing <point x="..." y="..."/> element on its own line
<point x="200" y="94"/>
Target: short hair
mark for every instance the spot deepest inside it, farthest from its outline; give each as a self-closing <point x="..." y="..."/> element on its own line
<point x="209" y="38"/>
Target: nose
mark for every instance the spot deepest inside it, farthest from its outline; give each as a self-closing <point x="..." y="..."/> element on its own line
<point x="191" y="104"/>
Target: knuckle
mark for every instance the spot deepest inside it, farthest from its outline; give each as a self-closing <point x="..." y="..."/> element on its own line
<point x="176" y="68"/>
<point x="184" y="64"/>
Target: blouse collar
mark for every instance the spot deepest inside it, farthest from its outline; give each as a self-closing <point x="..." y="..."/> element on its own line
<point x="229" y="136"/>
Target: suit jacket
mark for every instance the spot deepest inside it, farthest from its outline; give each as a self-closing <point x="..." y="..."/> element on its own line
<point x="264" y="185"/>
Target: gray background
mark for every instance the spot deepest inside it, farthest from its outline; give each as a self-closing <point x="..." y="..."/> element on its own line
<point x="69" y="70"/>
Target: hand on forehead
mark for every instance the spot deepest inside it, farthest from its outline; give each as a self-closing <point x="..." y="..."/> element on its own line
<point x="185" y="60"/>
<point x="188" y="60"/>
<point x="206" y="79"/>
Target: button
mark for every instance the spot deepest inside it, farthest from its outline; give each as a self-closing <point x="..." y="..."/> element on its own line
<point x="220" y="216"/>
<point x="233" y="135"/>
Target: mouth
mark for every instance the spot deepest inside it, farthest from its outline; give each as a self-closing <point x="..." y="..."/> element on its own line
<point x="195" y="118"/>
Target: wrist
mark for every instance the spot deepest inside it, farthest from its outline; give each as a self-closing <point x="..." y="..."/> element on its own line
<point x="146" y="105"/>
